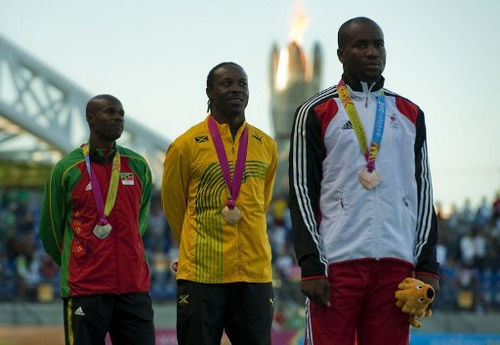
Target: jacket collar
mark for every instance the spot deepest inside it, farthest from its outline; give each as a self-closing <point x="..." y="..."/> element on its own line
<point x="225" y="131"/>
<point x="101" y="156"/>
<point x="362" y="86"/>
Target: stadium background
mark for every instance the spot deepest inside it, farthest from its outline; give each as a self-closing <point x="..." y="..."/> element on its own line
<point x="466" y="312"/>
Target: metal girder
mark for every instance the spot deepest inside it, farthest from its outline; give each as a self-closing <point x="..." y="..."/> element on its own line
<point x="42" y="114"/>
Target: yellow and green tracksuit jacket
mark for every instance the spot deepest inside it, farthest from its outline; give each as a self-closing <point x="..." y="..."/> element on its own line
<point x="194" y="193"/>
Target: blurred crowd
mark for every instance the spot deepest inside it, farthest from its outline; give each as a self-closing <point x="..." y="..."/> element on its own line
<point x="469" y="253"/>
<point x="468" y="250"/>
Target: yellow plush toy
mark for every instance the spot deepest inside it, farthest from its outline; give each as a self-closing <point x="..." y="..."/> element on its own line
<point x="414" y="297"/>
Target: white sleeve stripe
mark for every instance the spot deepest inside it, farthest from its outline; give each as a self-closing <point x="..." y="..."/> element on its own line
<point x="422" y="209"/>
<point x="424" y="220"/>
<point x="300" y="173"/>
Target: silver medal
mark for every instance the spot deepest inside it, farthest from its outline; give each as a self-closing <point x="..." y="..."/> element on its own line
<point x="102" y="231"/>
<point x="232" y="216"/>
<point x="369" y="179"/>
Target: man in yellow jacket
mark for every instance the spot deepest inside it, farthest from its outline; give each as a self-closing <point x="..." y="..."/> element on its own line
<point x="217" y="186"/>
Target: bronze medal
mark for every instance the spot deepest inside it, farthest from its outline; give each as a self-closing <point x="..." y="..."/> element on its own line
<point x="232" y="216"/>
<point x="369" y="179"/>
<point x="102" y="231"/>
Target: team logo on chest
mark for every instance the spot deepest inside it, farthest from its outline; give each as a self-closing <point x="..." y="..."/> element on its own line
<point x="394" y="121"/>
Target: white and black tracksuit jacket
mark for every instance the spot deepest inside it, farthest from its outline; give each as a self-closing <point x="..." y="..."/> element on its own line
<point x="334" y="217"/>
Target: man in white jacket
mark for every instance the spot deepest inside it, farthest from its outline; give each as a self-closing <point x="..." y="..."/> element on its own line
<point x="360" y="199"/>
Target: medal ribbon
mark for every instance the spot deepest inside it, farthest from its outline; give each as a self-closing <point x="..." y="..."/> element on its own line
<point x="378" y="129"/>
<point x="103" y="210"/>
<point x="235" y="184"/>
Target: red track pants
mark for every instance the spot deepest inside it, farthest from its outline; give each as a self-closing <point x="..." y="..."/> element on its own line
<point x="362" y="305"/>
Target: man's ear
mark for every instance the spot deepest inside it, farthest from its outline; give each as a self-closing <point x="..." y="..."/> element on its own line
<point x="340" y="55"/>
<point x="208" y="91"/>
<point x="90" y="118"/>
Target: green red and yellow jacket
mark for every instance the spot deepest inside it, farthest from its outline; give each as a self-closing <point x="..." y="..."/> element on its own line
<point x="194" y="193"/>
<point x="117" y="264"/>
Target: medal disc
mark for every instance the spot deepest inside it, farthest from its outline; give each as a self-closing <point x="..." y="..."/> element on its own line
<point x="368" y="179"/>
<point x="232" y="216"/>
<point x="102" y="231"/>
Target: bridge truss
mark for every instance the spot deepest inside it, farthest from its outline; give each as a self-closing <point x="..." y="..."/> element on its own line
<point x="42" y="115"/>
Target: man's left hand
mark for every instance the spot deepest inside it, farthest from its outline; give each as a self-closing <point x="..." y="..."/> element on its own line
<point x="434" y="282"/>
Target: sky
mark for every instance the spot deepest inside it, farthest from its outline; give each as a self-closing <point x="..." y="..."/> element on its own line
<point x="154" y="55"/>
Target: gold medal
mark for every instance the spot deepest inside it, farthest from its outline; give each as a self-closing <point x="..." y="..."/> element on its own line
<point x="369" y="179"/>
<point x="232" y="216"/>
<point x="102" y="231"/>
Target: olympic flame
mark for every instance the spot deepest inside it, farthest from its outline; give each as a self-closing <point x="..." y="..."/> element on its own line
<point x="299" y="24"/>
<point x="282" y="72"/>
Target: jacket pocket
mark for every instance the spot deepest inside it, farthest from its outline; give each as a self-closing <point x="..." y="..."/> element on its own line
<point x="338" y="217"/>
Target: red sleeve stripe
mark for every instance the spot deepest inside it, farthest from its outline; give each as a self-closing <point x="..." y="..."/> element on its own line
<point x="325" y="112"/>
<point x="407" y="108"/>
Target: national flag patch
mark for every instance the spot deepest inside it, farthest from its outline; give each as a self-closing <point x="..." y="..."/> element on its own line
<point x="127" y="178"/>
<point x="201" y="139"/>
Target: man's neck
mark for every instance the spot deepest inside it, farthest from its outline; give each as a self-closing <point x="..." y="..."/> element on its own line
<point x="234" y="121"/>
<point x="97" y="143"/>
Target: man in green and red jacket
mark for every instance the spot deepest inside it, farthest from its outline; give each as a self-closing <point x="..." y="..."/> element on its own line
<point x="95" y="211"/>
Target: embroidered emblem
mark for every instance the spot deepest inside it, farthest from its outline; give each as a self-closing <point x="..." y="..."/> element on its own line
<point x="88" y="187"/>
<point x="394" y="121"/>
<point x="183" y="299"/>
<point x="201" y="139"/>
<point x="77" y="248"/>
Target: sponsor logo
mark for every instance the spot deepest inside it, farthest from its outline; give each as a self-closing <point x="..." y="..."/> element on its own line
<point x="347" y="125"/>
<point x="201" y="139"/>
<point x="258" y="138"/>
<point x="79" y="311"/>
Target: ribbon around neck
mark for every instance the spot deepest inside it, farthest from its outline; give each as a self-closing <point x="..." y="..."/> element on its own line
<point x="378" y="129"/>
<point x="234" y="184"/>
<point x="103" y="210"/>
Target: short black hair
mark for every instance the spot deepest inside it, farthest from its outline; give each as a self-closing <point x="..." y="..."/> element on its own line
<point x="91" y="101"/>
<point x="341" y="37"/>
<point x="210" y="77"/>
